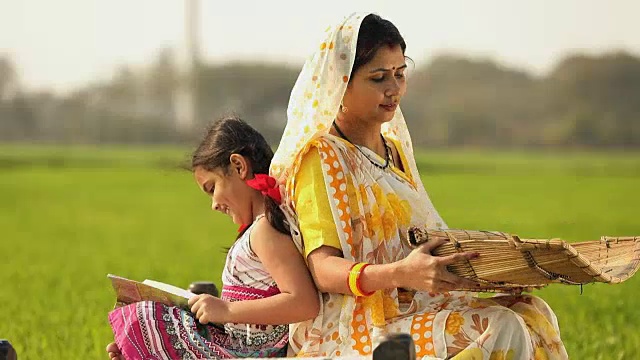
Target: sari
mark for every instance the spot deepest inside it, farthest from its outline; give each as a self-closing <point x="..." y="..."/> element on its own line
<point x="336" y="196"/>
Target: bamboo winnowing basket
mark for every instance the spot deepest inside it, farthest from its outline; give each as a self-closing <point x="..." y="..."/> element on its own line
<point x="507" y="262"/>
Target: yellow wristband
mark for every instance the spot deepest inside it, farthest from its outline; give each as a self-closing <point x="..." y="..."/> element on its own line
<point x="354" y="279"/>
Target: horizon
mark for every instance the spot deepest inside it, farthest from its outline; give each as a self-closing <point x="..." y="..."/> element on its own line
<point x="56" y="56"/>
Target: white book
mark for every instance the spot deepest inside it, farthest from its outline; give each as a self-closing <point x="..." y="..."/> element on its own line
<point x="129" y="291"/>
<point x="169" y="288"/>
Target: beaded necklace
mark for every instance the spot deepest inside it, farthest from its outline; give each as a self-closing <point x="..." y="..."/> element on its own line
<point x="387" y="150"/>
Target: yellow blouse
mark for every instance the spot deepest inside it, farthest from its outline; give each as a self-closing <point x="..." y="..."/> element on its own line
<point x="312" y="205"/>
<point x="311" y="201"/>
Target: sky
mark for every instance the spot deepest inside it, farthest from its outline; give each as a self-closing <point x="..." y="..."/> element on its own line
<point x="61" y="45"/>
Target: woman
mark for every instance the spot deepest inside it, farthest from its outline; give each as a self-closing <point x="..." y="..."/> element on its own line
<point x="353" y="189"/>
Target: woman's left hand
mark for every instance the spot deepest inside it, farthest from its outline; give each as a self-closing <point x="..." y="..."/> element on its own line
<point x="421" y="270"/>
<point x="209" y="309"/>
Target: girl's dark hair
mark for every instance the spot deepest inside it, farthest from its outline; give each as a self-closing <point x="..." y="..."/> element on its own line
<point x="231" y="135"/>
<point x="374" y="33"/>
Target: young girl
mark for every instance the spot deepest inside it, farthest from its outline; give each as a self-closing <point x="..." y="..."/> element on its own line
<point x="266" y="284"/>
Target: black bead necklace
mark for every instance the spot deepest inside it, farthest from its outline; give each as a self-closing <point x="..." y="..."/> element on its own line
<point x="387" y="150"/>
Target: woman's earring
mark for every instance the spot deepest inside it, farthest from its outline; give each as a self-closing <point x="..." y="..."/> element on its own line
<point x="343" y="108"/>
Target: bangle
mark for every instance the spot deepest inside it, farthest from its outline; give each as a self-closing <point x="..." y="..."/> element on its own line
<point x="354" y="279"/>
<point x="359" y="284"/>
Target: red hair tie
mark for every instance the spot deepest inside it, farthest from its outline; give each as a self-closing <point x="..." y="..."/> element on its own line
<point x="243" y="227"/>
<point x="267" y="185"/>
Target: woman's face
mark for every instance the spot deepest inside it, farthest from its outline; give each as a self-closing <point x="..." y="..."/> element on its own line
<point x="374" y="92"/>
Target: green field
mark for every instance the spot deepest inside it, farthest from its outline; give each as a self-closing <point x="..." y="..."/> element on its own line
<point x="69" y="216"/>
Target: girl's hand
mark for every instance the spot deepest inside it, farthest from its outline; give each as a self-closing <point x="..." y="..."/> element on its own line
<point x="209" y="309"/>
<point x="423" y="271"/>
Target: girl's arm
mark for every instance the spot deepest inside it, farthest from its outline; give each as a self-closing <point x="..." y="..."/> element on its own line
<point x="420" y="270"/>
<point x="298" y="298"/>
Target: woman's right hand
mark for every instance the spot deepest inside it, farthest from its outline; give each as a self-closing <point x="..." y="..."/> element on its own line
<point x="422" y="271"/>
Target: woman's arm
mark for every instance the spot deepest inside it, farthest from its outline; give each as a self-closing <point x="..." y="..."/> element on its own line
<point x="298" y="298"/>
<point x="330" y="270"/>
<point x="420" y="271"/>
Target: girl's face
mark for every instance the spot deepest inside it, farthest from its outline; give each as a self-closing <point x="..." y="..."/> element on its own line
<point x="374" y="92"/>
<point x="229" y="193"/>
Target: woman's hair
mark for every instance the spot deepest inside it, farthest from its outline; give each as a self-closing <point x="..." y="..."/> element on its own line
<point x="374" y="33"/>
<point x="231" y="135"/>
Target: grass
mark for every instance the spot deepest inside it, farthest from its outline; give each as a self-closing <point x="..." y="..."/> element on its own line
<point x="69" y="216"/>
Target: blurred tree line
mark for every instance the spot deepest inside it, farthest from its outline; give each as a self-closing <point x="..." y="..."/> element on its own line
<point x="585" y="101"/>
